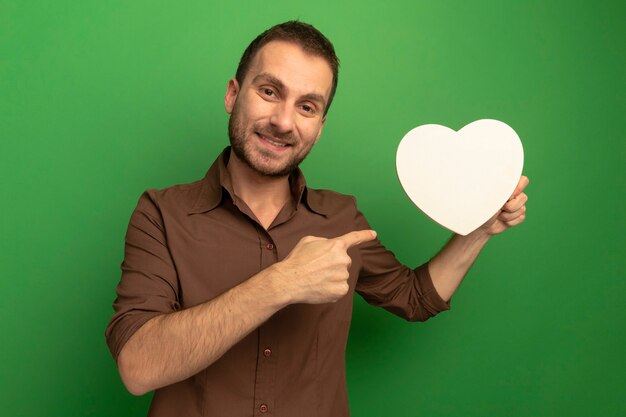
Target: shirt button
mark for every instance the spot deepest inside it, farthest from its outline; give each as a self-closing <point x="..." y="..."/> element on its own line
<point x="267" y="352"/>
<point x="263" y="408"/>
<point x="269" y="246"/>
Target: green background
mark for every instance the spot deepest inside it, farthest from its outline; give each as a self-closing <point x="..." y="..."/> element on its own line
<point x="101" y="100"/>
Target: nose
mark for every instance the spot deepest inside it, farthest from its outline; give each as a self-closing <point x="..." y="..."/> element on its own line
<point x="282" y="118"/>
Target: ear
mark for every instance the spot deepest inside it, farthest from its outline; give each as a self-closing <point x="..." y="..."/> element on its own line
<point x="232" y="89"/>
<point x="320" y="131"/>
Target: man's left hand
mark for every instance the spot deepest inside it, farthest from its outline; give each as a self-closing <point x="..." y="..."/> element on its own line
<point x="511" y="214"/>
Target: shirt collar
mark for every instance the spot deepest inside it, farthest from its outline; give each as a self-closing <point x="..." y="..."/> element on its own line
<point x="217" y="179"/>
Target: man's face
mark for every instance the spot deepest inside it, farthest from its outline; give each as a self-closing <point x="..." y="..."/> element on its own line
<point x="277" y="114"/>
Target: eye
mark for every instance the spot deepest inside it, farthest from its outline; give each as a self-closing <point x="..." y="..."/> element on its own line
<point x="268" y="92"/>
<point x="308" y="109"/>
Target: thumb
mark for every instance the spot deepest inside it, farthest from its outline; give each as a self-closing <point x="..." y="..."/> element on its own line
<point x="523" y="182"/>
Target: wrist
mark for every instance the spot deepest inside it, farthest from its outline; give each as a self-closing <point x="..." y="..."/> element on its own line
<point x="480" y="236"/>
<point x="275" y="283"/>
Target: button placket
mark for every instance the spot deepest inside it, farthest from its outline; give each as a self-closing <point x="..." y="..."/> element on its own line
<point x="269" y="251"/>
<point x="265" y="380"/>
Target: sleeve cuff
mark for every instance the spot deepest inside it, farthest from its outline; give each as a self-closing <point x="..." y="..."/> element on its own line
<point x="429" y="292"/>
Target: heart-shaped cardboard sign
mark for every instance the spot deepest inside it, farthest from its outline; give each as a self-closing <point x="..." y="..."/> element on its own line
<point x="460" y="179"/>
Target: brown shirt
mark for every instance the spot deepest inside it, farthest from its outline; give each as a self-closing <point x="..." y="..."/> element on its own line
<point x="188" y="244"/>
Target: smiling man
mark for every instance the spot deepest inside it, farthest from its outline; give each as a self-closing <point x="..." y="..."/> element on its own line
<point x="236" y="290"/>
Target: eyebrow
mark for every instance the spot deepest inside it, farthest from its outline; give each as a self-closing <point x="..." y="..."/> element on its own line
<point x="265" y="76"/>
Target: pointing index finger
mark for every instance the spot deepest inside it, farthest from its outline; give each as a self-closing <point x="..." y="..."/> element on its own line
<point x="354" y="238"/>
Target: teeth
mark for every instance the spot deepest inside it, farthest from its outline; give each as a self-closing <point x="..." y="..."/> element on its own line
<point x="275" y="143"/>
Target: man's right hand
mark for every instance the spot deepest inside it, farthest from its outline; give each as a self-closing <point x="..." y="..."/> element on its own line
<point x="316" y="270"/>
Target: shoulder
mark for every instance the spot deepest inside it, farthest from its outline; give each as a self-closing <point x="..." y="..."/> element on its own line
<point x="176" y="198"/>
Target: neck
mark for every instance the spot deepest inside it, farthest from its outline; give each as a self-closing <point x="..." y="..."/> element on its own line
<point x="264" y="195"/>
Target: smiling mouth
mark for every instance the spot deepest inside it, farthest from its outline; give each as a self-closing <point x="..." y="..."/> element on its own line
<point x="273" y="141"/>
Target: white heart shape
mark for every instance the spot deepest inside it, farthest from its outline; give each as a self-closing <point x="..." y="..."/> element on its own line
<point x="460" y="179"/>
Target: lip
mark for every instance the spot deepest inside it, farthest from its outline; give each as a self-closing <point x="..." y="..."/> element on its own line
<point x="273" y="143"/>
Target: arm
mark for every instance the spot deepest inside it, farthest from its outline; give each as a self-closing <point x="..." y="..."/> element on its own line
<point x="171" y="347"/>
<point x="450" y="265"/>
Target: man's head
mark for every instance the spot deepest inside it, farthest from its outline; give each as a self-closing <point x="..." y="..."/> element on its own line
<point x="278" y="100"/>
<point x="307" y="37"/>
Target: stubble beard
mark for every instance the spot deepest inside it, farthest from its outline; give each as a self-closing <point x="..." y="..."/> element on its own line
<point x="237" y="134"/>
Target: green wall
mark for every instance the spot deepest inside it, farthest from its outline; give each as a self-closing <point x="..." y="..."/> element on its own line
<point x="101" y="100"/>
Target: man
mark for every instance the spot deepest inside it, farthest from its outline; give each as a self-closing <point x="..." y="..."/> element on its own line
<point x="236" y="292"/>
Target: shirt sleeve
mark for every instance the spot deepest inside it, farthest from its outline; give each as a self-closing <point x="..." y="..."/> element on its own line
<point x="149" y="284"/>
<point x="387" y="283"/>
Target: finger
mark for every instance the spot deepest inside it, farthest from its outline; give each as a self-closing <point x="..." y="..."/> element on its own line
<point x="515" y="203"/>
<point x="523" y="182"/>
<point x="507" y="217"/>
<point x="516" y="221"/>
<point x="356" y="237"/>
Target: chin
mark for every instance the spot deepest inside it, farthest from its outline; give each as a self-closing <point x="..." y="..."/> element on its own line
<point x="265" y="164"/>
<point x="273" y="170"/>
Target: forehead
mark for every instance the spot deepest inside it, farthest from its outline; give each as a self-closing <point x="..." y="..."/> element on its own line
<point x="296" y="69"/>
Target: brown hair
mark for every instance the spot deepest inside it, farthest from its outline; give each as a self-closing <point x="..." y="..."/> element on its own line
<point x="302" y="34"/>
